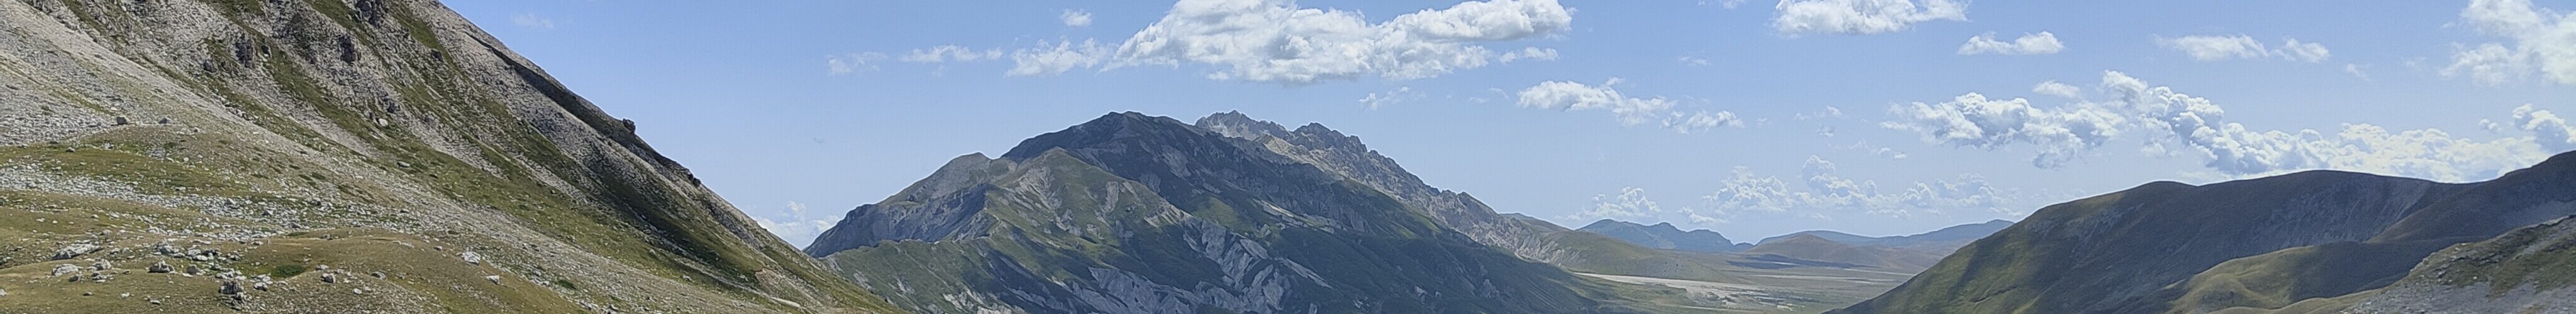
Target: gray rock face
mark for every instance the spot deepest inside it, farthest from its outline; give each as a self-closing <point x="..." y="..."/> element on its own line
<point x="1345" y="155"/>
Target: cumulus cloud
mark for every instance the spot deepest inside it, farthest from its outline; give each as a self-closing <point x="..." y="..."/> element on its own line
<point x="1856" y="17"/>
<point x="1631" y="202"/>
<point x="2546" y="128"/>
<point x="1276" y="41"/>
<point x="1064" y="56"/>
<point x="947" y="53"/>
<point x="798" y="227"/>
<point x="1572" y="96"/>
<point x="2028" y="44"/>
<point x="2539" y="42"/>
<point x="1824" y="193"/>
<point x="845" y="64"/>
<point x="1973" y="120"/>
<point x="1075" y="18"/>
<point x="2173" y="123"/>
<point x="2053" y="88"/>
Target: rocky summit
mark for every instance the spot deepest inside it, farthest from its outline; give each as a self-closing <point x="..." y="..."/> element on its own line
<point x="1131" y="213"/>
<point x="345" y="155"/>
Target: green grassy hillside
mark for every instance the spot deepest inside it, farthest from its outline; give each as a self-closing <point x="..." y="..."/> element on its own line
<point x="295" y="134"/>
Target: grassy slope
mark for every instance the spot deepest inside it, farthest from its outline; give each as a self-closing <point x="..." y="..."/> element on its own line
<point x="458" y="133"/>
<point x="2280" y="278"/>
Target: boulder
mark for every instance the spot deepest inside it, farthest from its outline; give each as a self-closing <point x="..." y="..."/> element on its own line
<point x="74" y="250"/>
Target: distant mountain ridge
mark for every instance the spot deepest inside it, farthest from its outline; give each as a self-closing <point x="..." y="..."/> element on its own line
<point x="2262" y="243"/>
<point x="1950" y="237"/>
<point x="1811" y="247"/>
<point x="1665" y="236"/>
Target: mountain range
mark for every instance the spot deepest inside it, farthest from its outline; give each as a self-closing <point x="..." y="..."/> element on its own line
<point x="1663" y="235"/>
<point x="1906" y="253"/>
<point x="299" y="156"/>
<point x="2316" y="241"/>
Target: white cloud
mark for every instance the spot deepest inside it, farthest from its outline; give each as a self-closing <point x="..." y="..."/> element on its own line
<point x="1075" y="18"/>
<point x="1874" y="150"/>
<point x="2176" y="123"/>
<point x="2212" y="48"/>
<point x="2542" y="42"/>
<point x="532" y="21"/>
<point x="2294" y="50"/>
<point x="1692" y="61"/>
<point x="845" y="64"/>
<point x="798" y="227"/>
<point x="1825" y="194"/>
<point x="2053" y="88"/>
<point x="1276" y="41"/>
<point x="1830" y="112"/>
<point x="1572" y="96"/>
<point x="1051" y="61"/>
<point x="1799" y="17"/>
<point x="2547" y="128"/>
<point x="1399" y="95"/>
<point x="2357" y="71"/>
<point x="947" y="53"/>
<point x="1630" y="203"/>
<point x="1528" y="53"/>
<point x="2028" y="44"/>
<point x="1972" y="120"/>
<point x="2215" y="48"/>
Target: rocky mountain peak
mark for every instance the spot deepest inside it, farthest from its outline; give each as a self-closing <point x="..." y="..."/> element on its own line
<point x="1123" y="127"/>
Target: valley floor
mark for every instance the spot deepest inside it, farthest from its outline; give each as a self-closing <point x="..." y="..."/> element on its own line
<point x="1785" y="290"/>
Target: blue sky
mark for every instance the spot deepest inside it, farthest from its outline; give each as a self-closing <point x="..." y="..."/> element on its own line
<point x="1751" y="118"/>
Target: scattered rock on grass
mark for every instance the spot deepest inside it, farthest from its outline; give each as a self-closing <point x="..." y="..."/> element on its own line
<point x="74" y="250"/>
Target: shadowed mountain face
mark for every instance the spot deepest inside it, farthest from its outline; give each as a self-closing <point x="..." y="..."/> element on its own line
<point x="1665" y="236"/>
<point x="1137" y="214"/>
<point x="173" y="148"/>
<point x="2260" y="243"/>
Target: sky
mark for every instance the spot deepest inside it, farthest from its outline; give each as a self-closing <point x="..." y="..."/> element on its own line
<point x="1750" y="118"/>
